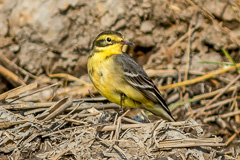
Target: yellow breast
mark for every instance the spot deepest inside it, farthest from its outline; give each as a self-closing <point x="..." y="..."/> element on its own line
<point x="106" y="77"/>
<point x="101" y="72"/>
<point x="109" y="80"/>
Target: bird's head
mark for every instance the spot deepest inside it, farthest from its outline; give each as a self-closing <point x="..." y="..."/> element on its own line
<point x="109" y="40"/>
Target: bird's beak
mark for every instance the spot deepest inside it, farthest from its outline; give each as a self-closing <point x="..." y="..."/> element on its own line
<point x="127" y="42"/>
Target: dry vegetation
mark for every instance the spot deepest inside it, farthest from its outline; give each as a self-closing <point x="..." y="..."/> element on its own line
<point x="50" y="110"/>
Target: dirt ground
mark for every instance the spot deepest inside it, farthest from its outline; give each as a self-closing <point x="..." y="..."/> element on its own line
<point x="50" y="110"/>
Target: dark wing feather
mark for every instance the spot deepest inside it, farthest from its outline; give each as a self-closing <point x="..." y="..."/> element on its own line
<point x="137" y="78"/>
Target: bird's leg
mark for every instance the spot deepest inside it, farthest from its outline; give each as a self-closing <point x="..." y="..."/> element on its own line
<point x="145" y="116"/>
<point x="122" y="96"/>
<point x="121" y="102"/>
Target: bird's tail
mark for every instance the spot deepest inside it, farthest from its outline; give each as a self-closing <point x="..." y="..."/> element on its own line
<point x="160" y="111"/>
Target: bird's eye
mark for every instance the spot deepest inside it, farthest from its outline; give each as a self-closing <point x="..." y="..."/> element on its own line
<point x="108" y="39"/>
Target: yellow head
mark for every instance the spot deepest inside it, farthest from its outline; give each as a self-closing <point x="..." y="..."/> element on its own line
<point x="109" y="41"/>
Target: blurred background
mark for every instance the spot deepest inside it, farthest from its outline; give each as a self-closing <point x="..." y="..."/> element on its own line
<point x="56" y="36"/>
<point x="175" y="41"/>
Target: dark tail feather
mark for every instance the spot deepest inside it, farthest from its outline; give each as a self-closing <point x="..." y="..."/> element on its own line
<point x="159" y="111"/>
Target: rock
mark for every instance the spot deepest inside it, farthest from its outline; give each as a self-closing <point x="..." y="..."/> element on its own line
<point x="46" y="94"/>
<point x="120" y="24"/>
<point x="117" y="9"/>
<point x="162" y="14"/>
<point x="114" y="7"/>
<point x="108" y="20"/>
<point x="214" y="36"/>
<point x="5" y="41"/>
<point x="3" y="25"/>
<point x="147" y="26"/>
<point x="128" y="34"/>
<point x="40" y="18"/>
<point x="145" y="41"/>
<point x="137" y="10"/>
<point x="135" y="21"/>
<point x="209" y="57"/>
<point x="8" y="6"/>
<point x="221" y="9"/>
<point x="14" y="48"/>
<point x="33" y="56"/>
<point x="236" y="35"/>
<point x="146" y="5"/>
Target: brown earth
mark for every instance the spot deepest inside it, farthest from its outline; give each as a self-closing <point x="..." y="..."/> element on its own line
<point x="175" y="41"/>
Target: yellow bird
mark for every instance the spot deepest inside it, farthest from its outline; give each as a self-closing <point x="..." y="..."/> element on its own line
<point x="120" y="79"/>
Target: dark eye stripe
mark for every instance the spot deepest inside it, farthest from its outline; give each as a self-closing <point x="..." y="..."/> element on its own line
<point x="103" y="43"/>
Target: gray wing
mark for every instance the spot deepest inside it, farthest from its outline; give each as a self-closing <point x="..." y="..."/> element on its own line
<point x="137" y="78"/>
